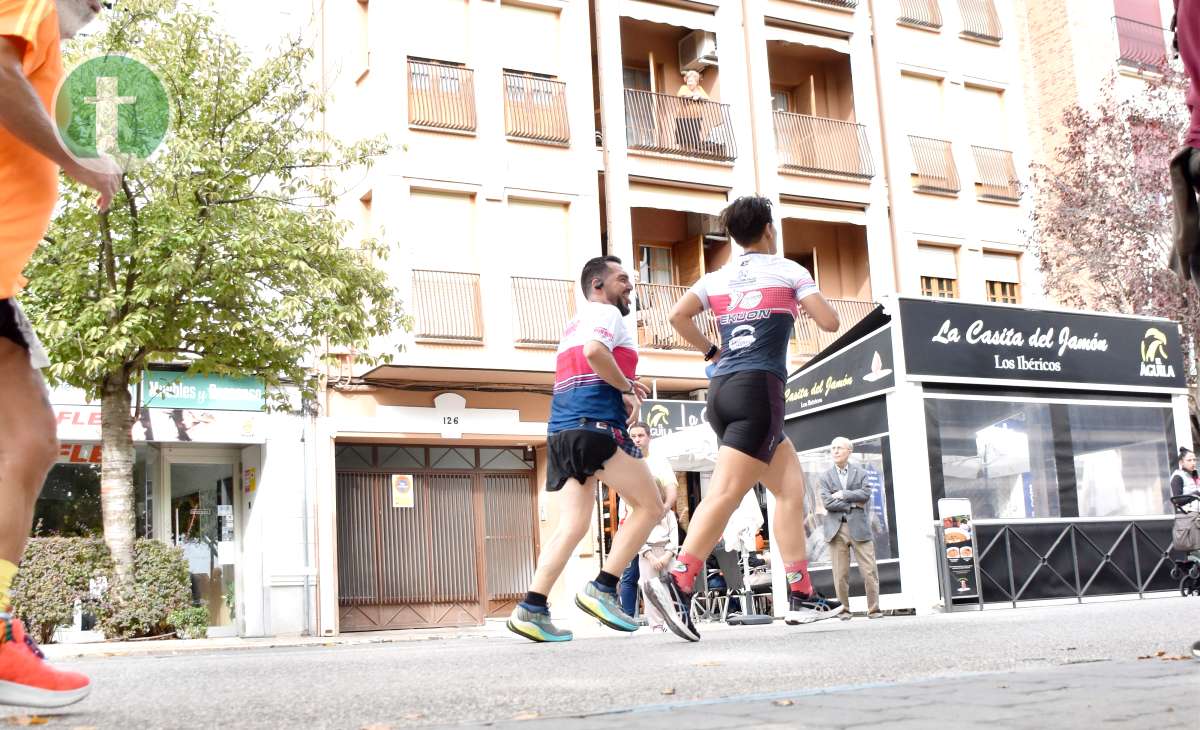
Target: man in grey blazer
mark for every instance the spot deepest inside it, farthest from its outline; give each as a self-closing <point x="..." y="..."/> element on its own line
<point x="847" y="496"/>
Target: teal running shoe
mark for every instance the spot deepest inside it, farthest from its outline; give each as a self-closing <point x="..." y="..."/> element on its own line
<point x="605" y="607"/>
<point x="536" y="626"/>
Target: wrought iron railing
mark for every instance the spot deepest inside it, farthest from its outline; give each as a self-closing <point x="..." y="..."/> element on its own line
<point x="980" y="20"/>
<point x="540" y="309"/>
<point x="677" y="126"/>
<point x="441" y="96"/>
<point x="822" y="146"/>
<point x="447" y="306"/>
<point x="654" y="302"/>
<point x="1141" y="44"/>
<point x="838" y="3"/>
<point x="924" y="13"/>
<point x="1041" y="559"/>
<point x="997" y="174"/>
<point x="934" y="160"/>
<point x="535" y="108"/>
<point x="811" y="339"/>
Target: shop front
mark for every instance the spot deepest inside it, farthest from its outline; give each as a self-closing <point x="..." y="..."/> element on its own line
<point x="213" y="475"/>
<point x="1055" y="430"/>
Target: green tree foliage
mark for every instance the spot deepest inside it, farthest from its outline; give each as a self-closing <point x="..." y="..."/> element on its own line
<point x="224" y="250"/>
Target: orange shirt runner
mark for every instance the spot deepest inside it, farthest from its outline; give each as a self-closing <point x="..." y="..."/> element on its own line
<point x="28" y="181"/>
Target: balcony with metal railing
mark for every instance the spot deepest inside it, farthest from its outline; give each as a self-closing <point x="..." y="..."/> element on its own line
<point x="934" y="162"/>
<point x="447" y="307"/>
<point x="921" y="13"/>
<point x="980" y="21"/>
<point x="654" y="303"/>
<point x="819" y="146"/>
<point x="997" y="174"/>
<point x="441" y="96"/>
<point x="671" y="125"/>
<point x="535" y="109"/>
<point x="844" y="4"/>
<point x="811" y="339"/>
<point x="1141" y="45"/>
<point x="540" y="309"/>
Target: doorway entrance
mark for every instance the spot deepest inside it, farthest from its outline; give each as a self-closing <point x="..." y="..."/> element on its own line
<point x="203" y="516"/>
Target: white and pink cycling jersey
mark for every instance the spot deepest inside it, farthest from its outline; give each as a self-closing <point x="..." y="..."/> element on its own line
<point x="755" y="299"/>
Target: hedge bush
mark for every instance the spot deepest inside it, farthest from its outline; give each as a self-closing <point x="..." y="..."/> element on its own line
<point x="55" y="573"/>
<point x="190" y="623"/>
<point x="161" y="585"/>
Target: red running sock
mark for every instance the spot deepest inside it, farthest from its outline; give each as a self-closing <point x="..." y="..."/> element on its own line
<point x="797" y="577"/>
<point x="685" y="570"/>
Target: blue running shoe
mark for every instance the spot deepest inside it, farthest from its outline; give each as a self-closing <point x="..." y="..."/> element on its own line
<point x="536" y="626"/>
<point x="606" y="607"/>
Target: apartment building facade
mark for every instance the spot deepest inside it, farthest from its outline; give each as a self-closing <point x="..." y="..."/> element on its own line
<point x="529" y="136"/>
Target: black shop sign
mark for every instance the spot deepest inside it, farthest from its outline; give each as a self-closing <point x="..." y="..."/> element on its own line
<point x="954" y="340"/>
<point x="860" y="370"/>
<point x="667" y="416"/>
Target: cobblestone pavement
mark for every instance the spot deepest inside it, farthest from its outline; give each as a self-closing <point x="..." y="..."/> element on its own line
<point x="1154" y="693"/>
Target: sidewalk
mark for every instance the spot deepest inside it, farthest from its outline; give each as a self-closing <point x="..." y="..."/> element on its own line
<point x="493" y="629"/>
<point x="1158" y="692"/>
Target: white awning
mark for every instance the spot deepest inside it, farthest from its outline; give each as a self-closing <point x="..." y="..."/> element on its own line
<point x="829" y="214"/>
<point x="1004" y="267"/>
<point x="805" y="38"/>
<point x="665" y="197"/>
<point x="937" y="261"/>
<point x="678" y="17"/>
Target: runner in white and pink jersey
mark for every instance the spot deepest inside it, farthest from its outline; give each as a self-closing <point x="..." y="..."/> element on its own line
<point x="756" y="299"/>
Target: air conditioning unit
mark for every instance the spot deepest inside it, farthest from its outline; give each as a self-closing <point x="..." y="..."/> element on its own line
<point x="697" y="51"/>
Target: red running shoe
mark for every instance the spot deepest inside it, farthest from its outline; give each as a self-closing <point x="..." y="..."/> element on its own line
<point x="26" y="679"/>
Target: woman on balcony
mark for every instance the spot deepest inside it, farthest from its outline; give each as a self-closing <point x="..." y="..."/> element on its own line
<point x="689" y="125"/>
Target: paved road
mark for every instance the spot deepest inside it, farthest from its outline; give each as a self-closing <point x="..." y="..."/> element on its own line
<point x="898" y="669"/>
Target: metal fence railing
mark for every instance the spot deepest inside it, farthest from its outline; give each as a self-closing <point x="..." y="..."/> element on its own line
<point x="924" y="13"/>
<point x="980" y="19"/>
<point x="811" y="339"/>
<point x="1140" y="44"/>
<point x="447" y="306"/>
<point x="934" y="160"/>
<point x="822" y="146"/>
<point x="997" y="174"/>
<point x="441" y="96"/>
<point x="535" y="108"/>
<point x="678" y="126"/>
<point x="540" y="309"/>
<point x="654" y="303"/>
<point x="1052" y="559"/>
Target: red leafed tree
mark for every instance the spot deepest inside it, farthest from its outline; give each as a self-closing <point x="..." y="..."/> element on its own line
<point x="1102" y="213"/>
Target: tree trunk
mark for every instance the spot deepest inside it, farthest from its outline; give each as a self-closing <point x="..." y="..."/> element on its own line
<point x="116" y="473"/>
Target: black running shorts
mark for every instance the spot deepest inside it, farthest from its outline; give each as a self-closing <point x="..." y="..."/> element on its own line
<point x="12" y="324"/>
<point x="578" y="453"/>
<point x="745" y="409"/>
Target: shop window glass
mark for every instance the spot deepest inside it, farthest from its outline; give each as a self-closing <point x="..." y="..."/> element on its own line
<point x="998" y="454"/>
<point x="503" y="459"/>
<point x="1122" y="460"/>
<point x="452" y="458"/>
<point x="354" y="456"/>
<point x="402" y="457"/>
<point x="815" y="462"/>
<point x="69" y="504"/>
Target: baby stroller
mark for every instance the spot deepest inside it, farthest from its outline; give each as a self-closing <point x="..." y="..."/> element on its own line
<point x="1185" y="537"/>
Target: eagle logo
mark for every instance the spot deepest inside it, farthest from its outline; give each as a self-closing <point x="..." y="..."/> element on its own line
<point x="1154" y="345"/>
<point x="658" y="415"/>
